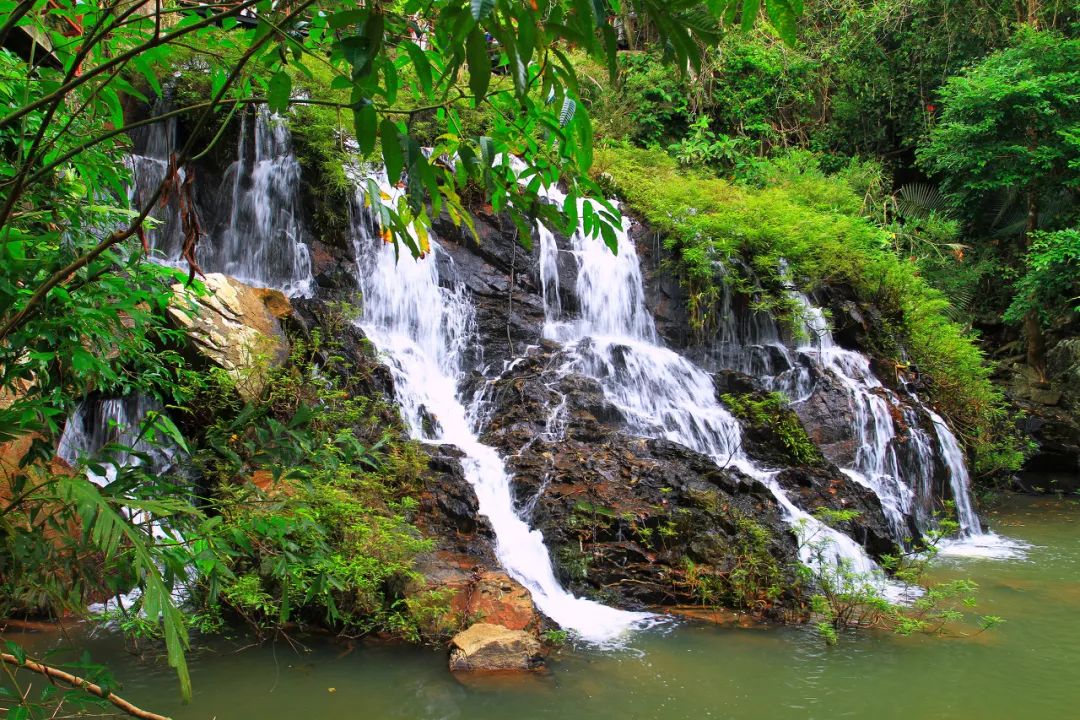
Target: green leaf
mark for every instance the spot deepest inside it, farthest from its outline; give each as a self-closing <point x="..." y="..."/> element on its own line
<point x="421" y="65"/>
<point x="347" y="17"/>
<point x="750" y="10"/>
<point x="391" y="150"/>
<point x="366" y="125"/>
<point x="585" y="141"/>
<point x="476" y="51"/>
<point x="481" y="9"/>
<point x="279" y="91"/>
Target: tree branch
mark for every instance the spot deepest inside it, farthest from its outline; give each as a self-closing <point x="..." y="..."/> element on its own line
<point x="75" y="681"/>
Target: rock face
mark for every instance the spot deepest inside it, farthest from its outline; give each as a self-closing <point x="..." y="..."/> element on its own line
<point x="485" y="647"/>
<point x="235" y="326"/>
<point x="629" y="520"/>
<point x="1052" y="413"/>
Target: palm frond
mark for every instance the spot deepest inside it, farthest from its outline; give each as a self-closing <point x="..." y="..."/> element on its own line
<point x="920" y="201"/>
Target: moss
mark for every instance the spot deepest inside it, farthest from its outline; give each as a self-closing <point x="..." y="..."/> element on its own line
<point x="795" y="213"/>
<point x="771" y="415"/>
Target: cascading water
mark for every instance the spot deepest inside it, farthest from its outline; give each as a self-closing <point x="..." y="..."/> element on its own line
<point x="662" y="394"/>
<point x="973" y="541"/>
<point x="111" y="421"/>
<point x="876" y="464"/>
<point x="900" y="473"/>
<point x="422" y="329"/>
<point x="253" y="225"/>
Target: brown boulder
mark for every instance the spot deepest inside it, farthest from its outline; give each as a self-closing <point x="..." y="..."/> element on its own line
<point x="477" y="594"/>
<point x="497" y="598"/>
<point x="235" y="326"/>
<point x="485" y="647"/>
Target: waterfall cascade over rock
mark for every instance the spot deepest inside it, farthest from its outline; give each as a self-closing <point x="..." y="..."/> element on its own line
<point x="899" y="466"/>
<point x="252" y="218"/>
<point x="663" y="394"/>
<point x="422" y="329"/>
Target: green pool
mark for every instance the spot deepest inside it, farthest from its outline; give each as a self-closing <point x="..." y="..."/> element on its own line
<point x="1029" y="667"/>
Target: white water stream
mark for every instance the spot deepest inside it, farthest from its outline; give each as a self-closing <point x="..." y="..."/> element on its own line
<point x="662" y="394"/>
<point x="899" y="470"/>
<point x="422" y="329"/>
<point x="252" y="223"/>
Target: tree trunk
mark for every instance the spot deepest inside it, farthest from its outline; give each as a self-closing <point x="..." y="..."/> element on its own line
<point x="1036" y="342"/>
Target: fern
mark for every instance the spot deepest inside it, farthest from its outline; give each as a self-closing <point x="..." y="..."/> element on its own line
<point x="921" y="200"/>
<point x="111" y="532"/>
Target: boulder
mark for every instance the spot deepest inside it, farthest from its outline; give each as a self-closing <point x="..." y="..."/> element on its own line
<point x="495" y="597"/>
<point x="235" y="326"/>
<point x="486" y="647"/>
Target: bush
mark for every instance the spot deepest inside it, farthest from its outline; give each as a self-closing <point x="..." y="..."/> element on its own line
<point x="312" y="488"/>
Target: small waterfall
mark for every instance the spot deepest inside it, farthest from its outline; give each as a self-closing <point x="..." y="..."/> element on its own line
<point x="973" y="541"/>
<point x="662" y="394"/>
<point x="253" y="223"/>
<point x="900" y="471"/>
<point x="111" y="421"/>
<point x="422" y="330"/>
<point x="877" y="466"/>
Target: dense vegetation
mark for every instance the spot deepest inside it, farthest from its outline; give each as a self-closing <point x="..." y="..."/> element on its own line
<point x="923" y="156"/>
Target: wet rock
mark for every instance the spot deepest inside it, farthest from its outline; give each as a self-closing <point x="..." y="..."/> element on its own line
<point x="625" y="517"/>
<point x="485" y="647"/>
<point x="449" y="511"/>
<point x="1050" y="418"/>
<point x="814" y="488"/>
<point x="826" y="415"/>
<point x="494" y="597"/>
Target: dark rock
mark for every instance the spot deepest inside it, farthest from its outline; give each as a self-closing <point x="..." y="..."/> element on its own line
<point x="827" y="487"/>
<point x="826" y="415"/>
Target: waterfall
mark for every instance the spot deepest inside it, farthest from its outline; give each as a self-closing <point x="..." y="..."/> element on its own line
<point x="901" y="474"/>
<point x="253" y="222"/>
<point x="973" y="541"/>
<point x="422" y="330"/>
<point x="877" y="466"/>
<point x="111" y="421"/>
<point x="662" y="394"/>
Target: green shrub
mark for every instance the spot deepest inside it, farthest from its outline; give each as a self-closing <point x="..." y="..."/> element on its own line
<point x="771" y="412"/>
<point x="312" y="488"/>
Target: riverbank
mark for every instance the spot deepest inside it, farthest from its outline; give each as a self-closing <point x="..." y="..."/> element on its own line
<point x="689" y="670"/>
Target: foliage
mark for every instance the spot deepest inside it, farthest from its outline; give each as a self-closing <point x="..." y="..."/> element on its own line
<point x="770" y="411"/>
<point x="1011" y="121"/>
<point x="656" y="99"/>
<point x="883" y="60"/>
<point x="99" y="540"/>
<point x="312" y="488"/>
<point x="703" y="147"/>
<point x="555" y="637"/>
<point x="21" y="699"/>
<point x="1051" y="280"/>
<point x="753" y="579"/>
<point x="846" y="598"/>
